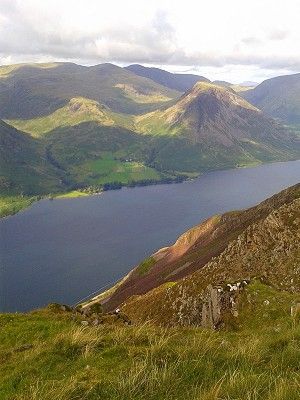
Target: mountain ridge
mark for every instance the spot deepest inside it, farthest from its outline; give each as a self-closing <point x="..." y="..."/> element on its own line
<point x="181" y="82"/>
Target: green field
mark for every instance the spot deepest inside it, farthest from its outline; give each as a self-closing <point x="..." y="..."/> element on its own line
<point x="71" y="195"/>
<point x="108" y="169"/>
<point x="12" y="204"/>
<point x="48" y="355"/>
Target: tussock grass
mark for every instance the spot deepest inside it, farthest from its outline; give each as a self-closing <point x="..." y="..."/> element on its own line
<point x="259" y="361"/>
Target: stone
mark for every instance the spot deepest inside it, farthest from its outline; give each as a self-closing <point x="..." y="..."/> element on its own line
<point x="295" y="310"/>
<point x="24" y="348"/>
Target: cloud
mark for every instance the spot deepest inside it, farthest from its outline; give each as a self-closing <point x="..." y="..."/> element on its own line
<point x="213" y="34"/>
<point x="278" y="34"/>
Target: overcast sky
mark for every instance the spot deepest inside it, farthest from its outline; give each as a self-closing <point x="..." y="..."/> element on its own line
<point x="233" y="40"/>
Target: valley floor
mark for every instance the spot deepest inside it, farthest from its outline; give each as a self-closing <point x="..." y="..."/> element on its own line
<point x="49" y="354"/>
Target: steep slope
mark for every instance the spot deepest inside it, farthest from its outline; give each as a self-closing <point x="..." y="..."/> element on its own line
<point x="28" y="91"/>
<point x="196" y="248"/>
<point x="78" y="110"/>
<point x="278" y="97"/>
<point x="24" y="167"/>
<point x="268" y="249"/>
<point x="222" y="129"/>
<point x="180" y="82"/>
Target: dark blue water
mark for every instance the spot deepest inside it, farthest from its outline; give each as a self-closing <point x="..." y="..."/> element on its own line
<point x="62" y="250"/>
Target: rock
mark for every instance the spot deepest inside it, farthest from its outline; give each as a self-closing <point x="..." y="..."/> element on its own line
<point x="85" y="323"/>
<point x="23" y="348"/>
<point x="295" y="310"/>
<point x="266" y="302"/>
<point x="220" y="305"/>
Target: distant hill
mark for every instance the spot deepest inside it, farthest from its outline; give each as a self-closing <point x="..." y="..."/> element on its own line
<point x="222" y="83"/>
<point x="31" y="90"/>
<point x="248" y="83"/>
<point x="24" y="167"/>
<point x="240" y="87"/>
<point x="180" y="82"/>
<point x="218" y="129"/>
<point x="278" y="97"/>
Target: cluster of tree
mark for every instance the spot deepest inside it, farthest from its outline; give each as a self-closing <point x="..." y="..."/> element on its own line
<point x="92" y="189"/>
<point x="144" y="182"/>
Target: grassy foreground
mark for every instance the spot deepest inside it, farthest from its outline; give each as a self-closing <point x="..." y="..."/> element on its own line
<point x="47" y="355"/>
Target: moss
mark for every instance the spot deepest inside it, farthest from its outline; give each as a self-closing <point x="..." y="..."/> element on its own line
<point x="145" y="266"/>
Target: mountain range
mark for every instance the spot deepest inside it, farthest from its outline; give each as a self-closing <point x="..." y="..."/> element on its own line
<point x="85" y="127"/>
<point x="180" y="82"/>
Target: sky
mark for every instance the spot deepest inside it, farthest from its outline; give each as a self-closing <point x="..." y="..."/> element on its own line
<point x="233" y="40"/>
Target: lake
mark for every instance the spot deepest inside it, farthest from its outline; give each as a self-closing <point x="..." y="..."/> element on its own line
<point x="63" y="250"/>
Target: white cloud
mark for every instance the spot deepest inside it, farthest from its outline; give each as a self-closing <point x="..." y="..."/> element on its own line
<point x="258" y="37"/>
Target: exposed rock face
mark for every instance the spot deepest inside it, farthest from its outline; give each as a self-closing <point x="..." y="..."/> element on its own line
<point x="211" y="308"/>
<point x="268" y="249"/>
<point x="220" y="303"/>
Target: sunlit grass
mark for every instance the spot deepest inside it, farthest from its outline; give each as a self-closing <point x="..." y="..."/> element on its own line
<point x="259" y="361"/>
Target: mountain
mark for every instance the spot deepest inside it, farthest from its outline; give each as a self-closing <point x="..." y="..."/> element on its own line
<point x="215" y="128"/>
<point x="33" y="90"/>
<point x="24" y="167"/>
<point x="278" y="97"/>
<point x="171" y="286"/>
<point x="223" y="83"/>
<point x="180" y="82"/>
<point x="236" y="87"/>
<point x="104" y="126"/>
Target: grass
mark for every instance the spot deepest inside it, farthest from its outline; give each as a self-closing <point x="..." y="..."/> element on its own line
<point x="12" y="204"/>
<point x="145" y="266"/>
<point x="258" y="361"/>
<point x="71" y="195"/>
<point x="109" y="169"/>
<point x="6" y="70"/>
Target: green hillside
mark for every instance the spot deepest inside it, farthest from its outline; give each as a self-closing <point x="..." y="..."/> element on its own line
<point x="76" y="111"/>
<point x="278" y="97"/>
<point x="29" y="91"/>
<point x="24" y="167"/>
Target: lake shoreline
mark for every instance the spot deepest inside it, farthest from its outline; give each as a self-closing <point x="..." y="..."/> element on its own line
<point x="82" y="193"/>
<point x="64" y="250"/>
